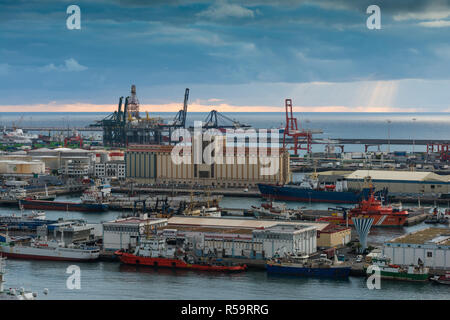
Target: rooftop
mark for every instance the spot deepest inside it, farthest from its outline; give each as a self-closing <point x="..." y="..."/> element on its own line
<point x="396" y="175"/>
<point x="434" y="235"/>
<point x="136" y="220"/>
<point x="237" y="223"/>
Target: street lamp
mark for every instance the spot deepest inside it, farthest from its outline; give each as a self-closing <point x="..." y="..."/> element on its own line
<point x="414" y="141"/>
<point x="389" y="135"/>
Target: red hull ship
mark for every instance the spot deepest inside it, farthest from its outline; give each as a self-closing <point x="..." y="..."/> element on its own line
<point x="383" y="216"/>
<point x="154" y="253"/>
<point x="129" y="258"/>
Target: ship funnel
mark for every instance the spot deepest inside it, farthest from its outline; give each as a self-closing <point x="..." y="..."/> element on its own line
<point x="362" y="226"/>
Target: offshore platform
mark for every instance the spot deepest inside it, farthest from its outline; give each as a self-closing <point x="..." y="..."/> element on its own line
<point x="127" y="126"/>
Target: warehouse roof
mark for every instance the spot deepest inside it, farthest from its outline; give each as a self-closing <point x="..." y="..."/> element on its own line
<point x="237" y="223"/>
<point x="434" y="235"/>
<point x="208" y="229"/>
<point x="396" y="175"/>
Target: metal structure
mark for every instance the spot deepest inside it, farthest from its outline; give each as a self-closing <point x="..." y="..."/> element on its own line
<point x="180" y="119"/>
<point x="442" y="148"/>
<point x="362" y="226"/>
<point x="218" y="120"/>
<point x="299" y="137"/>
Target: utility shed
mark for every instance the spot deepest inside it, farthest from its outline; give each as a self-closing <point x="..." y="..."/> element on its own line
<point x="400" y="182"/>
<point x="431" y="245"/>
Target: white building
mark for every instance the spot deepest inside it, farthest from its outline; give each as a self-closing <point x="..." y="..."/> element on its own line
<point x="111" y="169"/>
<point x="431" y="245"/>
<point x="125" y="233"/>
<point x="287" y="238"/>
<point x="75" y="166"/>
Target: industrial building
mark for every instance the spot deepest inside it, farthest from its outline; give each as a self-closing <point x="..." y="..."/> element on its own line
<point x="400" y="182"/>
<point x="124" y="233"/>
<point x="333" y="236"/>
<point x="154" y="164"/>
<point x="21" y="167"/>
<point x="431" y="246"/>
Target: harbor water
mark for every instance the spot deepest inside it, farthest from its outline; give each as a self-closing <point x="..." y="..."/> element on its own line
<point x="112" y="280"/>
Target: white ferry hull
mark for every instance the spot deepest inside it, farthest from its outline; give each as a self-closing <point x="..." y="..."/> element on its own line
<point x="55" y="254"/>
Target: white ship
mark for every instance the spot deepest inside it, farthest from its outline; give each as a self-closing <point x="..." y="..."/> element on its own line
<point x="11" y="293"/>
<point x="46" y="250"/>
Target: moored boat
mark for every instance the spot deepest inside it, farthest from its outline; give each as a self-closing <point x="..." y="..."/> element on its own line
<point x="62" y="205"/>
<point x="303" y="266"/>
<point x="153" y="252"/>
<point x="443" y="279"/>
<point x="397" y="272"/>
<point x="32" y="249"/>
<point x="384" y="216"/>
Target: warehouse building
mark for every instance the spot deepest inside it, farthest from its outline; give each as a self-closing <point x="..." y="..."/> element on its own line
<point x="333" y="236"/>
<point x="400" y="182"/>
<point x="153" y="164"/>
<point x="431" y="246"/>
<point x="244" y="241"/>
<point x="124" y="233"/>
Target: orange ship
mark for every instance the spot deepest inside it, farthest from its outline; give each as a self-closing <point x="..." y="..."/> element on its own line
<point x="384" y="216"/>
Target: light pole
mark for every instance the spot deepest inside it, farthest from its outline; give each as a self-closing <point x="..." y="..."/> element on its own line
<point x="414" y="141"/>
<point x="389" y="135"/>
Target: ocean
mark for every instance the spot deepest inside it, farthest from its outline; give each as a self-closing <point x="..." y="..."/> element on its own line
<point x="333" y="125"/>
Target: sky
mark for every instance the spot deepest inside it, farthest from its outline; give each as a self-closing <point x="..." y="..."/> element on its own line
<point x="233" y="55"/>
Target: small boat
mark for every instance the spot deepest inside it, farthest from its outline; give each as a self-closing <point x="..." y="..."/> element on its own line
<point x="272" y="209"/>
<point x="443" y="279"/>
<point x="153" y="252"/>
<point x="396" y="272"/>
<point x="299" y="265"/>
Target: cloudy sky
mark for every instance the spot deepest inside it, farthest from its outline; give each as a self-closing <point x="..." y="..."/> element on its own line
<point x="233" y="55"/>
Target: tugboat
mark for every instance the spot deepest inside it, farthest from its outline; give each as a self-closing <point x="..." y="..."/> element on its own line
<point x="153" y="252"/>
<point x="12" y="294"/>
<point x="396" y="272"/>
<point x="444" y="279"/>
<point x="384" y="216"/>
<point x="304" y="266"/>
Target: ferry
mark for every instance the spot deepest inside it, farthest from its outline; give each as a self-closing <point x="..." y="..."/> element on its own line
<point x="153" y="252"/>
<point x="384" y="216"/>
<point x="37" y="249"/>
<point x="397" y="272"/>
<point x="302" y="265"/>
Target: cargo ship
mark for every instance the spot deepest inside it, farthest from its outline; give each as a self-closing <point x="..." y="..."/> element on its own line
<point x="154" y="253"/>
<point x="396" y="272"/>
<point x="304" y="267"/>
<point x="384" y="216"/>
<point x="62" y="205"/>
<point x="33" y="249"/>
<point x="311" y="191"/>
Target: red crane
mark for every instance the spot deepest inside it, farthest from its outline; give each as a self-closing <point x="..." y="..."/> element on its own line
<point x="299" y="137"/>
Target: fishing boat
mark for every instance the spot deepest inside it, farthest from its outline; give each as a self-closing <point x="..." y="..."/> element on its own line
<point x="275" y="210"/>
<point x="154" y="252"/>
<point x="302" y="265"/>
<point x="37" y="249"/>
<point x="12" y="293"/>
<point x="443" y="279"/>
<point x="397" y="272"/>
<point x="384" y="216"/>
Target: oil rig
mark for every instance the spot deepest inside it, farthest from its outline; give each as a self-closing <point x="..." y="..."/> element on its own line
<point x="127" y="126"/>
